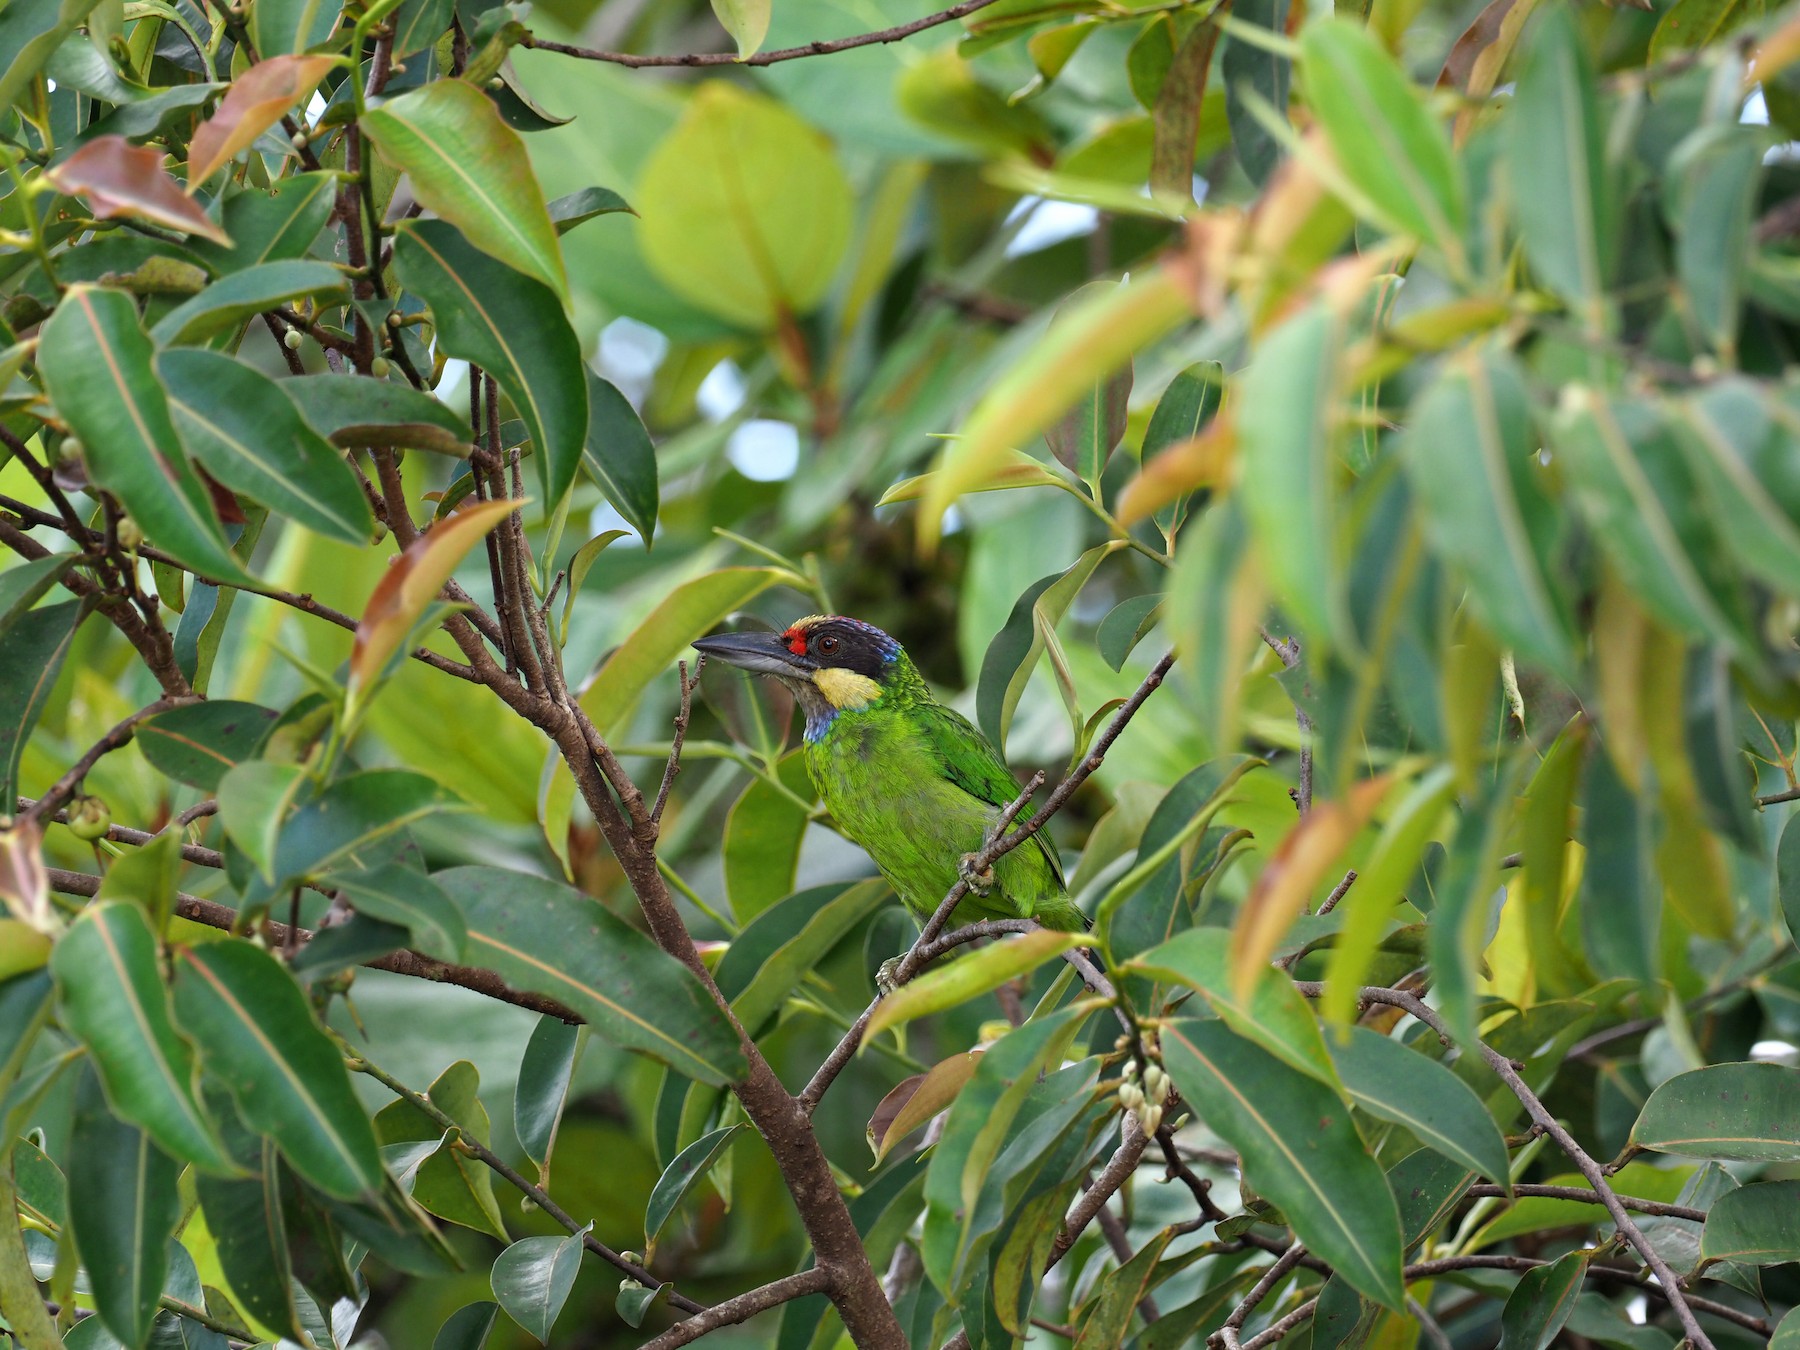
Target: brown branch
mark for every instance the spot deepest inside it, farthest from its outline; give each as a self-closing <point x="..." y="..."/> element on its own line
<point x="1275" y="1331"/>
<point x="1271" y="1277"/>
<point x="768" y="58"/>
<point x="686" y="687"/>
<point x="1776" y="798"/>
<point x="64" y="788"/>
<point x="1338" y="892"/>
<point x="1632" y="1202"/>
<point x="742" y="1308"/>
<point x="1588" y="1167"/>
<point x="123" y="834"/>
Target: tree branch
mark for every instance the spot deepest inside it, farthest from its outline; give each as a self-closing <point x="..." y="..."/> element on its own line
<point x="1271" y="1277"/>
<point x="673" y="767"/>
<point x="1632" y="1202"/>
<point x="768" y="58"/>
<point x="742" y="1308"/>
<point x="64" y="788"/>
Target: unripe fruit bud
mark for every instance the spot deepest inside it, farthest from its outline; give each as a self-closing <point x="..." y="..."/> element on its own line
<point x="69" y="452"/>
<point x="395" y="319"/>
<point x="632" y="1257"/>
<point x="293" y="339"/>
<point x="1150" y="1118"/>
<point x="1131" y="1096"/>
<point x="496" y="84"/>
<point x="379" y="367"/>
<point x="298" y="140"/>
<point x="1156" y="1084"/>
<point x="90" y="819"/>
<point x="130" y="536"/>
<point x="1131" y="1070"/>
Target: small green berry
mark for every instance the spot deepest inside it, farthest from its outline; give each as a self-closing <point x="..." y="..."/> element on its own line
<point x="395" y="318"/>
<point x="379" y="367"/>
<point x="496" y="84"/>
<point x="293" y="339"/>
<point x="90" y="819"/>
<point x="298" y="140"/>
<point x="69" y="452"/>
<point x="131" y="537"/>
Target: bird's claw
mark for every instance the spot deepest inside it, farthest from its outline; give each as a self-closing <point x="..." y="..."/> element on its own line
<point x="982" y="881"/>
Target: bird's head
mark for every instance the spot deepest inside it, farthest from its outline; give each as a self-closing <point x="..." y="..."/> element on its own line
<point x="832" y="664"/>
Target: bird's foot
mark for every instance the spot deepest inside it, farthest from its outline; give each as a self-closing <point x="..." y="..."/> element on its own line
<point x="981" y="882"/>
<point x="884" y="977"/>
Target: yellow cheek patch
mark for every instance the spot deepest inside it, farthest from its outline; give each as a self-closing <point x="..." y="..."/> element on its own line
<point x="845" y="690"/>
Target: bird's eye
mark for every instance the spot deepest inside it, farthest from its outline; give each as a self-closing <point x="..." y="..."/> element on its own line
<point x="827" y="645"/>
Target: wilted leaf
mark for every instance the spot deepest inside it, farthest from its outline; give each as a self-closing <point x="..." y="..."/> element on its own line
<point x="256" y="101"/>
<point x="122" y="179"/>
<point x="917" y="1100"/>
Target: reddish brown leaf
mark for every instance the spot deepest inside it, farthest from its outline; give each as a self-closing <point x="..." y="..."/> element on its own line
<point x="122" y="179"/>
<point x="917" y="1100"/>
<point x="256" y="101"/>
<point x="1200" y="461"/>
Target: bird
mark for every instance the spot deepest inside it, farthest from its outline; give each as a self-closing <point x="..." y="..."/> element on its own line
<point x="906" y="778"/>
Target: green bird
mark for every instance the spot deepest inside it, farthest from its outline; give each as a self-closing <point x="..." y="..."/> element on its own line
<point x="911" y="781"/>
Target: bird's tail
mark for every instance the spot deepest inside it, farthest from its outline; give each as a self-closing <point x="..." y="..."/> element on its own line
<point x="1063" y="915"/>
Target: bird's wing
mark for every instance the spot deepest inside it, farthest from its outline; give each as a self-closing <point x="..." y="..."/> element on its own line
<point x="976" y="767"/>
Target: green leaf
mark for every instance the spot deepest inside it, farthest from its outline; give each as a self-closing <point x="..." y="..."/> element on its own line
<point x="1741" y="1112"/>
<point x="748" y="23"/>
<point x="1621" y="897"/>
<point x="550" y="939"/>
<point x="1384" y="138"/>
<point x="689" y="611"/>
<point x="97" y="364"/>
<point x="110" y="994"/>
<point x="28" y="580"/>
<point x="230" y="302"/>
<point x="514" y="328"/>
<point x="579" y="207"/>
<point x="1470" y="451"/>
<point x="123" y="1207"/>
<point x="532" y="1279"/>
<point x="1688" y="24"/>
<point x="468" y="1328"/>
<point x="1757" y="1224"/>
<point x="579" y="566"/>
<point x="620" y="456"/>
<point x="1541" y="1302"/>
<point x="146" y="877"/>
<point x="267" y="227"/>
<point x="1718" y="175"/>
<point x="30" y="659"/>
<point x="467" y="166"/>
<point x="761" y="847"/>
<point x="1251" y="71"/>
<point x="1186" y="408"/>
<point x="254" y="800"/>
<point x="354" y="413"/>
<point x="399" y="895"/>
<point x="239" y="424"/>
<point x="31" y="31"/>
<point x="1787" y="1334"/>
<point x="450" y="1183"/>
<point x="679" y="1177"/>
<point x="418" y="24"/>
<point x="746" y="211"/>
<point x="1029" y="629"/>
<point x="288" y="26"/>
<point x="1274" y="1015"/>
<point x="1085" y="436"/>
<point x="199" y="743"/>
<point x="967" y="977"/>
<point x="351" y="814"/>
<point x="765" y="963"/>
<point x="1115" y="1302"/>
<point x="1215" y="603"/>
<point x="916" y="1100"/>
<point x="1299" y="1148"/>
<point x="1126" y="625"/>
<point x="635" y="1301"/>
<point x="543" y="1087"/>
<point x="257" y="1035"/>
<point x="1287" y="456"/>
<point x="1563" y="199"/>
<point x="1388" y="1080"/>
<point x="245" y="1221"/>
<point x="1787" y="873"/>
<point x="1735" y="448"/>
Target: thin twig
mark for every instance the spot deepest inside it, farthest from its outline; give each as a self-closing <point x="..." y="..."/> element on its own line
<point x="1276" y="1330"/>
<point x="768" y="58"/>
<point x="742" y="1308"/>
<point x="1288" y="651"/>
<point x="1632" y="1202"/>
<point x="64" y="788"/>
<point x="1338" y="892"/>
<point x="673" y="767"/>
<point x="1271" y="1277"/>
<point x="1775" y="798"/>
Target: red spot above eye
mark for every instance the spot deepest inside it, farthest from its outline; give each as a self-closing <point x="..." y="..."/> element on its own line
<point x="796" y="641"/>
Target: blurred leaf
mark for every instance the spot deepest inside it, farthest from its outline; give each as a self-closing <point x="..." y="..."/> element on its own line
<point x="468" y="167"/>
<point x="1757" y="1224"/>
<point x="1300" y="1150"/>
<point x="28" y="580"/>
<point x="1382" y="135"/>
<point x="1731" y="1112"/>
<point x="761" y="847"/>
<point x="1273" y="1015"/>
<point x="1013" y="654"/>
<point x="122" y="179"/>
<point x="96" y="361"/>
<point x="746" y="211"/>
<point x="1117" y="1299"/>
<point x="970" y="976"/>
<point x="1253" y="72"/>
<point x="1022" y="471"/>
<point x="543" y="1087"/>
<point x="123" y="1208"/>
<point x="620" y="456"/>
<point x="1092" y="340"/>
<point x="243" y="429"/>
<point x="256" y="101"/>
<point x="748" y="23"/>
<point x="31" y="31"/>
<point x="356" y="413"/>
<point x="110" y="994"/>
<point x="689" y="611"/>
<point x="1300" y="864"/>
<point x="514" y="328"/>
<point x="1621" y="900"/>
<point x="411" y="899"/>
<point x="1126" y="625"/>
<point x="1696" y="23"/>
<point x="1712" y="713"/>
<point x="1085" y="436"/>
<point x="228" y="303"/>
<point x="257" y="1035"/>
<point x="579" y="207"/>
<point x="1471" y="456"/>
<point x="278" y="26"/>
<point x="199" y="743"/>
<point x="1186" y="409"/>
<point x="1215" y="604"/>
<point x="1718" y="182"/>
<point x="1286" y="426"/>
<point x="1563" y="199"/>
<point x="550" y="939"/>
<point x="24" y="884"/>
<point x="31" y="657"/>
<point x="1787" y="1335"/>
<point x="1733" y="446"/>
<point x="1388" y="1080"/>
<point x="411" y="583"/>
<point x="1541" y="1302"/>
<point x="1547" y="824"/>
<point x="916" y="1100"/>
<point x="680" y="1177"/>
<point x="468" y="1328"/>
<point x="764" y="965"/>
<point x="532" y="1279"/>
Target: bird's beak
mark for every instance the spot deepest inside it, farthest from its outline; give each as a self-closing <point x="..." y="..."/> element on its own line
<point x="763" y="653"/>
